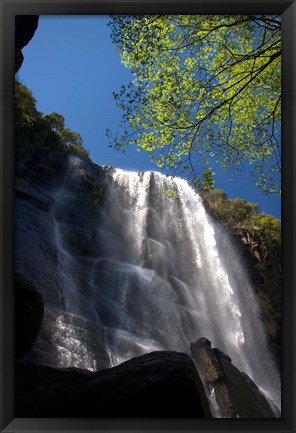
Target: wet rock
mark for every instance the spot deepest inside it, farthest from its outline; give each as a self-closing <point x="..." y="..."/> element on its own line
<point x="29" y="311"/>
<point x="54" y="222"/>
<point x="207" y="360"/>
<point x="158" y="384"/>
<point x="68" y="340"/>
<point x="236" y="394"/>
<point x="39" y="200"/>
<point x="108" y="169"/>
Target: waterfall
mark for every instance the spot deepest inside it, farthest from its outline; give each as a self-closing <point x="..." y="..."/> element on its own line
<point x="165" y="275"/>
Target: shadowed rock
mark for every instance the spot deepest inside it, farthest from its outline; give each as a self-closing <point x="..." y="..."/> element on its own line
<point x="25" y="27"/>
<point x="29" y="311"/>
<point x="158" y="384"/>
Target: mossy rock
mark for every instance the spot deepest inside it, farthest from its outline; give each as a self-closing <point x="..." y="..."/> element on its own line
<point x="88" y="181"/>
<point x="46" y="169"/>
<point x="97" y="195"/>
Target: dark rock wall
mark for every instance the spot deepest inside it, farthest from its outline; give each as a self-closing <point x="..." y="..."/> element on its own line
<point x="25" y="27"/>
<point x="40" y="189"/>
<point x="29" y="310"/>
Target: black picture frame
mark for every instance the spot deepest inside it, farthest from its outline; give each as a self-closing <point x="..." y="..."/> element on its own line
<point x="8" y="10"/>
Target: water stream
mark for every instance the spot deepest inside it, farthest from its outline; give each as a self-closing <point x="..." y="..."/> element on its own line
<point x="165" y="276"/>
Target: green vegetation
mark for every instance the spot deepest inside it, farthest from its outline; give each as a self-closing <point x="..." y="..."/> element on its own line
<point x="207" y="90"/>
<point x="266" y="229"/>
<point x="35" y="130"/>
<point x="95" y="190"/>
<point x="97" y="195"/>
<point x="242" y="216"/>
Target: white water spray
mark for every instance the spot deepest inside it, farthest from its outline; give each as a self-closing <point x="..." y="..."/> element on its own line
<point x="166" y="275"/>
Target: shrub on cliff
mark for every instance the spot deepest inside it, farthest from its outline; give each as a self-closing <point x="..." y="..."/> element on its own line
<point x="243" y="216"/>
<point x="34" y="129"/>
<point x="79" y="150"/>
<point x="266" y="229"/>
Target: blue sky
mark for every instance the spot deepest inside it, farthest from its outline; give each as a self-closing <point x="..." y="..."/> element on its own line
<point x="72" y="68"/>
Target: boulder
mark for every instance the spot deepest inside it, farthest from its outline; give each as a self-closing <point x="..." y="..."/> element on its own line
<point x="158" y="384"/>
<point x="206" y="358"/>
<point x="29" y="309"/>
<point x="237" y="396"/>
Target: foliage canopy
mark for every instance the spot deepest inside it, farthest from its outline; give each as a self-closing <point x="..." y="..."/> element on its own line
<point x="207" y="91"/>
<point x="33" y="129"/>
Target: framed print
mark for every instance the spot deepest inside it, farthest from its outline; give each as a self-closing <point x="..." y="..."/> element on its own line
<point x="147" y="216"/>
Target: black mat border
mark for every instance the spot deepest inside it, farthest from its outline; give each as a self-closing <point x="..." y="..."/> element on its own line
<point x="10" y="8"/>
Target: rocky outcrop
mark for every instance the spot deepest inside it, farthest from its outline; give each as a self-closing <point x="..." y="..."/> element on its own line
<point x="25" y="27"/>
<point x="29" y="309"/>
<point x="158" y="384"/>
<point x="236" y="394"/>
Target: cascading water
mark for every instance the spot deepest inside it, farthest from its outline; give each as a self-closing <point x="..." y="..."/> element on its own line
<point x="165" y="276"/>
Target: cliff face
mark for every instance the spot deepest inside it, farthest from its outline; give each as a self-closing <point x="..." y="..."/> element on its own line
<point x="56" y="217"/>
